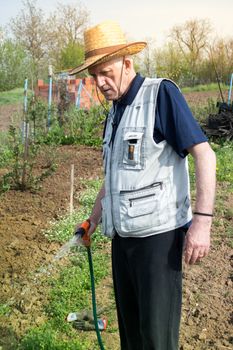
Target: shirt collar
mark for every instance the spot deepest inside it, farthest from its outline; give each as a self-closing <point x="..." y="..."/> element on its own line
<point x="128" y="98"/>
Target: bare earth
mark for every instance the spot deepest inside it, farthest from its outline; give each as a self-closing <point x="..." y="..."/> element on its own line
<point x="207" y="305"/>
<point x="7" y="115"/>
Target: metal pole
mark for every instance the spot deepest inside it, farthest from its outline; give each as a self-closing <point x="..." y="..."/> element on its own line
<point x="25" y="136"/>
<point x="25" y="104"/>
<point x="230" y="90"/>
<point x="50" y="96"/>
<point x="25" y="95"/>
<point x="79" y="94"/>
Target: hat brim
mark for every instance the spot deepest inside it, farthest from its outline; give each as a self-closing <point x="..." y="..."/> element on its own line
<point x="128" y="49"/>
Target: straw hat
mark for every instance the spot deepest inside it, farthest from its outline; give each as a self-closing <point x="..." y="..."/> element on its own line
<point x="104" y="42"/>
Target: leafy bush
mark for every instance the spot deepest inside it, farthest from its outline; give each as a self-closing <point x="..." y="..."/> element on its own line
<point x="13" y="64"/>
<point x="21" y="161"/>
<point x="79" y="127"/>
<point x="67" y="125"/>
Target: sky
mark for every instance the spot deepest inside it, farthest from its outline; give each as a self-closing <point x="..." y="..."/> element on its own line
<point x="142" y="19"/>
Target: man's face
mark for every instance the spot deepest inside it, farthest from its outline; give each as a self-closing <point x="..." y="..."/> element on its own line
<point x="110" y="78"/>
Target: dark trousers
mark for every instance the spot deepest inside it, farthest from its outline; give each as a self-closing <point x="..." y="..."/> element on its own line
<point x="147" y="276"/>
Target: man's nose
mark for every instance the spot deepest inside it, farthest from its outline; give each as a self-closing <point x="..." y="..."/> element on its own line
<point x="100" y="81"/>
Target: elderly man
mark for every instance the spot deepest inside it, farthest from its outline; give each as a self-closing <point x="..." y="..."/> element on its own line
<point x="144" y="204"/>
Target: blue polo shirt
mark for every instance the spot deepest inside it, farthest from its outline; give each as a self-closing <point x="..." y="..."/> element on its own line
<point x="174" y="121"/>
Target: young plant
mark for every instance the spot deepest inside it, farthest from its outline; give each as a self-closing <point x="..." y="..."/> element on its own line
<point x="24" y="152"/>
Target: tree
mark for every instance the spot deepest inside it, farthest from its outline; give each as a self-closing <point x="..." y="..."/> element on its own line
<point x="221" y="54"/>
<point x="145" y="60"/>
<point x="170" y="63"/>
<point x="192" y="39"/>
<point x="29" y="29"/>
<point x="66" y="35"/>
<point x="70" y="56"/>
<point x="71" y="21"/>
<point x="13" y="65"/>
<point x="55" y="40"/>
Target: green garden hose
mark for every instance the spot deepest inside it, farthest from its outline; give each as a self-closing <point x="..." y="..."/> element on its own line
<point x="94" y="298"/>
<point x="82" y="231"/>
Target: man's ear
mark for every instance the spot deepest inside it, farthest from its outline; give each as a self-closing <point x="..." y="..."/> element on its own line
<point x="128" y="64"/>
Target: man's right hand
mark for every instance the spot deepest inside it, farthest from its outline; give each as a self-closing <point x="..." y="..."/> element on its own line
<point x="90" y="231"/>
<point x="92" y="228"/>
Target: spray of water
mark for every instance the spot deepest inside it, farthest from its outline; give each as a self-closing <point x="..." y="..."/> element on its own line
<point x="45" y="271"/>
<point x="63" y="251"/>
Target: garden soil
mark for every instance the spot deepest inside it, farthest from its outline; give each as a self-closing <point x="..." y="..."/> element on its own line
<point x="207" y="316"/>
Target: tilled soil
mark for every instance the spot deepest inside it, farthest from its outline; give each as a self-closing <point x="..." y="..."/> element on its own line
<point x="8" y="114"/>
<point x="24" y="248"/>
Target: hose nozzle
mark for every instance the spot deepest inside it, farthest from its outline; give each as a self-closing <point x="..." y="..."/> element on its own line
<point x="82" y="231"/>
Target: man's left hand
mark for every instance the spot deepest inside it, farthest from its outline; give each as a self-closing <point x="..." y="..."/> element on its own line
<point x="197" y="241"/>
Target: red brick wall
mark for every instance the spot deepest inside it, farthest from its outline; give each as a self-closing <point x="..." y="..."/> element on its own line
<point x="88" y="95"/>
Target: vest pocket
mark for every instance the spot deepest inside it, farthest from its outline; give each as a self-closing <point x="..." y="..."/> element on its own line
<point x="133" y="149"/>
<point x="144" y="208"/>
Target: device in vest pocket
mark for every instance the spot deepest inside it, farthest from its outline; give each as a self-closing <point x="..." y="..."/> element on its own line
<point x="132" y="138"/>
<point x="131" y="149"/>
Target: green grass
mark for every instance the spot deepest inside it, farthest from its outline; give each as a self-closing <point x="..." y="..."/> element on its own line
<point x="224" y="168"/>
<point x="46" y="337"/>
<point x="202" y="87"/>
<point x="12" y="97"/>
<point x="224" y="154"/>
<point x="4" y="309"/>
<point x="62" y="230"/>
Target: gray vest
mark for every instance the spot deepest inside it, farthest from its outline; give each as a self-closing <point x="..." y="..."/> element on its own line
<point x="146" y="184"/>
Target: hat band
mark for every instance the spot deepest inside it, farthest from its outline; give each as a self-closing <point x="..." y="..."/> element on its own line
<point x="103" y="50"/>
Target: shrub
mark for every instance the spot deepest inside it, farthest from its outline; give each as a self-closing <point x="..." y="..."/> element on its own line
<point x="22" y="158"/>
<point x="79" y="127"/>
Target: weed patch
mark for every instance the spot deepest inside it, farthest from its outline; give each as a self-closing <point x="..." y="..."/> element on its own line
<point x="224" y="169"/>
<point x="47" y="338"/>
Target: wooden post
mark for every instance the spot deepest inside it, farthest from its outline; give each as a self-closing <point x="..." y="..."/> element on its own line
<point x="72" y="189"/>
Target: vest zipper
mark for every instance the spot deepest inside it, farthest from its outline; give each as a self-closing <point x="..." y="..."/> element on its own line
<point x="132" y="200"/>
<point x="154" y="185"/>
